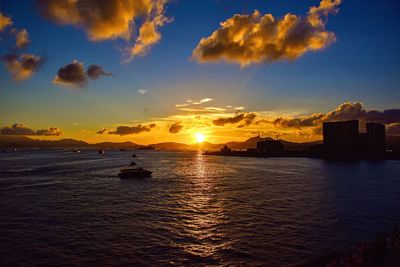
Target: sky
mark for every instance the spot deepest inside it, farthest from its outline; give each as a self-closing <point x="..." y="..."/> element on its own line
<point x="152" y="71"/>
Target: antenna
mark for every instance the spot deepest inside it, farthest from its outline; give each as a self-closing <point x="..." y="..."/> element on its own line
<point x="277" y="136"/>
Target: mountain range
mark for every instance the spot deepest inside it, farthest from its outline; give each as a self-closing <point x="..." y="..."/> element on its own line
<point x="26" y="142"/>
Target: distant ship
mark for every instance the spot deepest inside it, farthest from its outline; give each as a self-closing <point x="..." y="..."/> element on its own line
<point x="101" y="151"/>
<point x="77" y="150"/>
<point x="134" y="173"/>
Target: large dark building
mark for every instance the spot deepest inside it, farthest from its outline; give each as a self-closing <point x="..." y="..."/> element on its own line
<point x="344" y="138"/>
<point x="341" y="136"/>
<point x="376" y="137"/>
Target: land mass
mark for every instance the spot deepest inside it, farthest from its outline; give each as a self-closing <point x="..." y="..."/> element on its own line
<point x="26" y="142"/>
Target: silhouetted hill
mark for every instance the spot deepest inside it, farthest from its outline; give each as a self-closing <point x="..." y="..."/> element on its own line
<point x="23" y="141"/>
<point x="118" y="145"/>
<point x="171" y="146"/>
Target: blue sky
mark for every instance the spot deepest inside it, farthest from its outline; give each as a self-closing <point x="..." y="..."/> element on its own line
<point x="362" y="65"/>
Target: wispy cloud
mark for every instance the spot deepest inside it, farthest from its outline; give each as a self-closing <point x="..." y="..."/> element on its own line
<point x="201" y="101"/>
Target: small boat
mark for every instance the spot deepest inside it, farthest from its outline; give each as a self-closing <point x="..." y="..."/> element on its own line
<point x="134" y="173"/>
<point x="77" y="150"/>
<point x="101" y="151"/>
<point x="134" y="155"/>
<point x="133" y="163"/>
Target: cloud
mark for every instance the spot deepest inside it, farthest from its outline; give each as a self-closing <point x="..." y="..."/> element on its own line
<point x="101" y="131"/>
<point x="345" y="111"/>
<point x="21" y="37"/>
<point x="106" y="20"/>
<point x="142" y="91"/>
<point x="49" y="132"/>
<point x="246" y="119"/>
<point x="127" y="130"/>
<point x="24" y="66"/>
<point x="191" y="102"/>
<point x="201" y="101"/>
<point x="304" y="121"/>
<point x="249" y="39"/>
<point x="20" y="129"/>
<point x="95" y="71"/>
<point x="181" y="105"/>
<point x="72" y="74"/>
<point x="176" y="127"/>
<point x="4" y="22"/>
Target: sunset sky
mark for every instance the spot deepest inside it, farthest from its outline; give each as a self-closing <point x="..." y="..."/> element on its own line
<point x="152" y="71"/>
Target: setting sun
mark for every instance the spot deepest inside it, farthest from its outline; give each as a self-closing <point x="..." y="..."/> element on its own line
<point x="199" y="137"/>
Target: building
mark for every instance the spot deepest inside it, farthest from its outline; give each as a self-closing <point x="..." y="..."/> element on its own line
<point x="376" y="137"/>
<point x="226" y="149"/>
<point x="270" y="147"/>
<point x="341" y="136"/>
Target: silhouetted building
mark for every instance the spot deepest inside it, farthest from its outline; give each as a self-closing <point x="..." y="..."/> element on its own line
<point x="376" y="137"/>
<point x="341" y="136"/>
<point x="226" y="149"/>
<point x="270" y="147"/>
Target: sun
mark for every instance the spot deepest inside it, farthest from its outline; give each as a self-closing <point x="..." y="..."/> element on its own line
<point x="199" y="137"/>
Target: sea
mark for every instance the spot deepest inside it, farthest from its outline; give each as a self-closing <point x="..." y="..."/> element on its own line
<point x="60" y="208"/>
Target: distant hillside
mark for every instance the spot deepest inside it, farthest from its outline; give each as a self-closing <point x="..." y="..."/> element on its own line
<point x="23" y="141"/>
<point x="172" y="146"/>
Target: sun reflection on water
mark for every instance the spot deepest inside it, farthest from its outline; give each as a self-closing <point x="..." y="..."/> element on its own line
<point x="207" y="213"/>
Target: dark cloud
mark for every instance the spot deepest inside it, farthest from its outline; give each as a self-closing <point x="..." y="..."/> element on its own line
<point x="387" y="116"/>
<point x="176" y="127"/>
<point x="126" y="130"/>
<point x="95" y="71"/>
<point x="72" y="74"/>
<point x="245" y="118"/>
<point x="101" y="131"/>
<point x="137" y="21"/>
<point x="20" y="129"/>
<point x="306" y="121"/>
<point x="393" y="129"/>
<point x="24" y="66"/>
<point x="256" y="38"/>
